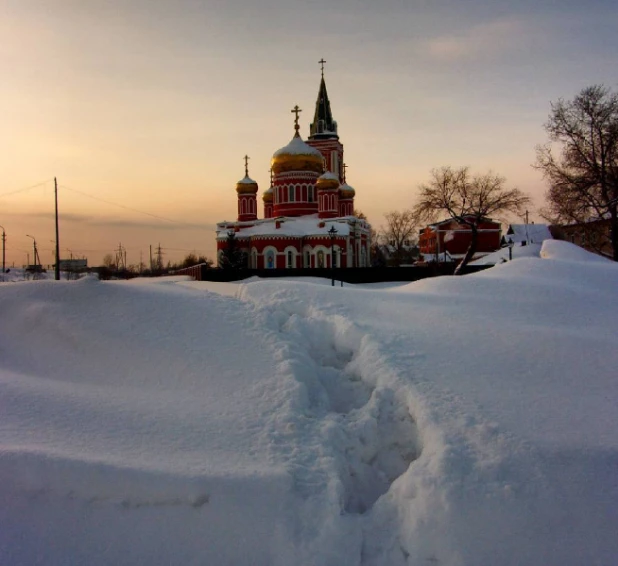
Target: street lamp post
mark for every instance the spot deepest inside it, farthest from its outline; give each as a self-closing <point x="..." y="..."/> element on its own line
<point x="33" y="249"/>
<point x="332" y="233"/>
<point x="510" y="246"/>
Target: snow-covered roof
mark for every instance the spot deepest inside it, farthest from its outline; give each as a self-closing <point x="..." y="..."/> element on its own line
<point x="502" y="255"/>
<point x="247" y="181"/>
<point x="310" y="225"/>
<point x="532" y="233"/>
<point x="297" y="147"/>
<point x="329" y="175"/>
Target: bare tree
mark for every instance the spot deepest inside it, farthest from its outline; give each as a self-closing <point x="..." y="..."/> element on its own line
<point x="583" y="179"/>
<point x="108" y="261"/>
<point x="468" y="200"/>
<point x="399" y="232"/>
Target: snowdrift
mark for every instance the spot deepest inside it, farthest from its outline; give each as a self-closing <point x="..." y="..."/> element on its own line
<point x="456" y="420"/>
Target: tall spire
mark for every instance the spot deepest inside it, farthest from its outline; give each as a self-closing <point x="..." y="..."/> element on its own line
<point x="323" y="125"/>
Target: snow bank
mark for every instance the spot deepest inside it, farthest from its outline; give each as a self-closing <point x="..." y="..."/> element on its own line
<point x="455" y="420"/>
<point x="565" y="251"/>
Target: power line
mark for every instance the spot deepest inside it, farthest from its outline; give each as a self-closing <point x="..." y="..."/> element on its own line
<point x="126" y="207"/>
<point x="25" y="189"/>
<point x="181" y="249"/>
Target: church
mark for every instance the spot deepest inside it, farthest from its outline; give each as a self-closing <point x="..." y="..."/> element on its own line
<point x="308" y="215"/>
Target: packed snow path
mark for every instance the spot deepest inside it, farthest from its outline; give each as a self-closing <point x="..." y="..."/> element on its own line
<point x="370" y="431"/>
<point x="450" y="421"/>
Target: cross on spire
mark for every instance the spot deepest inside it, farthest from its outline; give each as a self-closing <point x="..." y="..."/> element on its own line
<point x="270" y="171"/>
<point x="321" y="62"/>
<point x="296" y="110"/>
<point x="345" y="170"/>
<point x="246" y="158"/>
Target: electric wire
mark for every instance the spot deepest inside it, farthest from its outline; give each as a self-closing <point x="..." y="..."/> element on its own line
<point x="127" y="207"/>
<point x="25" y="189"/>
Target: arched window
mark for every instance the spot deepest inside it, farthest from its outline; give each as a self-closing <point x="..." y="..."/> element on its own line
<point x="321" y="259"/>
<point x="290" y="259"/>
<point x="310" y="193"/>
<point x="253" y="258"/>
<point x="269" y="260"/>
<point x="291" y="193"/>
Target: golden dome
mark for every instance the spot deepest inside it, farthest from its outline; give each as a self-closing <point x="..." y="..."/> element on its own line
<point x="297" y="156"/>
<point x="268" y="195"/>
<point x="345" y="191"/>
<point x="327" y="181"/>
<point x="246" y="186"/>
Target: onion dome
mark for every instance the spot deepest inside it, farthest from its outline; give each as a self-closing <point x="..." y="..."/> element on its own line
<point x="246" y="186"/>
<point x="268" y="195"/>
<point x="297" y="156"/>
<point x="346" y="191"/>
<point x="327" y="181"/>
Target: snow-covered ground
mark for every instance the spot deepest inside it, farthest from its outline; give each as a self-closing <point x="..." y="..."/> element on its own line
<point x="451" y="421"/>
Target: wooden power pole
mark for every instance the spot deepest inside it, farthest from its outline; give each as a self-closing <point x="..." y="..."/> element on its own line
<point x="57" y="266"/>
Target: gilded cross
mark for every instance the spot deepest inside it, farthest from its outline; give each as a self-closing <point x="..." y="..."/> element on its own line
<point x="296" y="111"/>
<point x="270" y="171"/>
<point x="345" y="170"/>
<point x="321" y="62"/>
<point x="246" y="158"/>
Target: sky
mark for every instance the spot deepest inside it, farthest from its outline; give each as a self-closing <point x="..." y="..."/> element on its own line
<point x="144" y="109"/>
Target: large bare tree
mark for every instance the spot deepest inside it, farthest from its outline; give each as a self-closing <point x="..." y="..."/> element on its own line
<point x="583" y="176"/>
<point x="468" y="199"/>
<point x="399" y="232"/>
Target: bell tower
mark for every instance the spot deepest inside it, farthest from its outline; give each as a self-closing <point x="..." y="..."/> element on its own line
<point x="323" y="134"/>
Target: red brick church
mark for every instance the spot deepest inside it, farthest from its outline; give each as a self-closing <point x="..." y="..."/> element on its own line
<point x="308" y="216"/>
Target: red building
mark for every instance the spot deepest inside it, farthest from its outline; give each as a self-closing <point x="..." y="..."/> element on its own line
<point x="451" y="239"/>
<point x="308" y="209"/>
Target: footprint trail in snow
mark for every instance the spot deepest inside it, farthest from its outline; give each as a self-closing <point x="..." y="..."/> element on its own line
<point x="365" y="432"/>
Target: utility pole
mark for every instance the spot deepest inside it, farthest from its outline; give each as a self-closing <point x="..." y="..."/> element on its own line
<point x="37" y="259"/>
<point x="121" y="258"/>
<point x="57" y="267"/>
<point x="3" y="249"/>
<point x="159" y="260"/>
<point x="150" y="258"/>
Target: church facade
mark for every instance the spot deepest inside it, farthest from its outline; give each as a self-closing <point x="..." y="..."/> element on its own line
<point x="308" y="210"/>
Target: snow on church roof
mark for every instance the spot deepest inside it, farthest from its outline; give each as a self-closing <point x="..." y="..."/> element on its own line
<point x="297" y="147"/>
<point x="246" y="180"/>
<point x="302" y="226"/>
<point x="329" y="175"/>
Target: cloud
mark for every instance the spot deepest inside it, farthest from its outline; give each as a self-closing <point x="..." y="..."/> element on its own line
<point x="102" y="222"/>
<point x="483" y="41"/>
